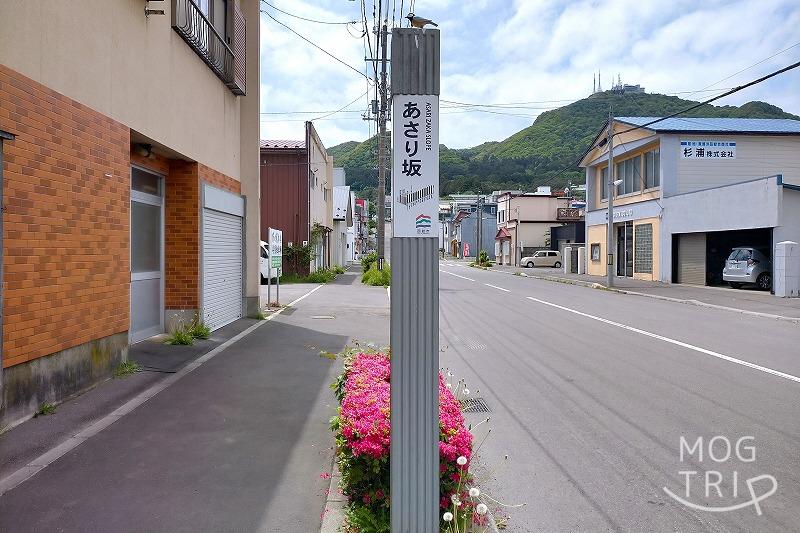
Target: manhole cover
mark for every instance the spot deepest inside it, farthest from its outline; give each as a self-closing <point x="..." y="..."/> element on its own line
<point x="474" y="405"/>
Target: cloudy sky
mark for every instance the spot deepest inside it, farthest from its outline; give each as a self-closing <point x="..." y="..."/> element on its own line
<point x="533" y="54"/>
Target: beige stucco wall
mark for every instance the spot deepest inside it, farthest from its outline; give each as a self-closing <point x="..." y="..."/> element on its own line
<point x="136" y="70"/>
<point x="321" y="165"/>
<point x="595" y="234"/>
<point x="655" y="275"/>
<point x="536" y="207"/>
<point x="756" y="157"/>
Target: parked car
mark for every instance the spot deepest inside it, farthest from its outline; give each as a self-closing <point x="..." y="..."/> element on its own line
<point x="543" y="258"/>
<point x="747" y="264"/>
<point x="263" y="264"/>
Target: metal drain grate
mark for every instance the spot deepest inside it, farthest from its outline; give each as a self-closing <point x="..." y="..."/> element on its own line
<point x="474" y="405"/>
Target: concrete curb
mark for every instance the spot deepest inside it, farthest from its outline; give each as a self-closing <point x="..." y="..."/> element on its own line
<point x="47" y="458"/>
<point x="593" y="285"/>
<point x="334" y="512"/>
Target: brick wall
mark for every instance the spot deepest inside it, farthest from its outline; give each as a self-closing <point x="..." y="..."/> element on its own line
<point x="182" y="236"/>
<point x="66" y="223"/>
<point x="218" y="179"/>
<point x="182" y="230"/>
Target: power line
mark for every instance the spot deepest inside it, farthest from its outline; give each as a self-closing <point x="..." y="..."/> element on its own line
<point x="749" y="67"/>
<point x="342" y="108"/>
<point x="316" y="45"/>
<point x="307" y="19"/>
<point x="726" y="93"/>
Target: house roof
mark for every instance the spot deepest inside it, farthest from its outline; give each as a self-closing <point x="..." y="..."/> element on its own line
<point x="772" y="126"/>
<point x="502" y="233"/>
<point x="341" y="201"/>
<point x="283" y="144"/>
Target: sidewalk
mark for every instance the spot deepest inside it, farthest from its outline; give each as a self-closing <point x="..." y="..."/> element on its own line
<point x="748" y="300"/>
<point x="238" y="444"/>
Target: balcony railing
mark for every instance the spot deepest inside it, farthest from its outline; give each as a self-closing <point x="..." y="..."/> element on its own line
<point x="201" y="35"/>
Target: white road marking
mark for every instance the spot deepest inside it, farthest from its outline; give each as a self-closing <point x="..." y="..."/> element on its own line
<point x="496" y="287"/>
<point x="456" y="275"/>
<point x="49" y="457"/>
<point x="674" y="341"/>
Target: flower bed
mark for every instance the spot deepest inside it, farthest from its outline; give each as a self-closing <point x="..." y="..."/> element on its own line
<point x="362" y="433"/>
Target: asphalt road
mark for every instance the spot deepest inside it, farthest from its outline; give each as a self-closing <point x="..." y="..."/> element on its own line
<point x="238" y="445"/>
<point x="590" y="393"/>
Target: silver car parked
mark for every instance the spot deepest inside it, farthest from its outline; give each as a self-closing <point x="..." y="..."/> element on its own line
<point x="543" y="258"/>
<point x="747" y="264"/>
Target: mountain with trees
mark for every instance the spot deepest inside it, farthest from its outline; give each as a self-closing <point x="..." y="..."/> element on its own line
<point x="544" y="153"/>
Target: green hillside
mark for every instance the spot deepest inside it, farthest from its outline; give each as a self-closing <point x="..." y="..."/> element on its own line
<point x="545" y="153"/>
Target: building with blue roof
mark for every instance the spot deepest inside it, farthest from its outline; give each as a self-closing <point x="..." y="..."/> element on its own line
<point x="689" y="189"/>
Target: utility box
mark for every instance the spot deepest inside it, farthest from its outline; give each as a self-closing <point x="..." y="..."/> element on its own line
<point x="786" y="265"/>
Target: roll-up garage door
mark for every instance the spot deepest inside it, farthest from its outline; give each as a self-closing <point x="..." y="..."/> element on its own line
<point x="692" y="258"/>
<point x="222" y="259"/>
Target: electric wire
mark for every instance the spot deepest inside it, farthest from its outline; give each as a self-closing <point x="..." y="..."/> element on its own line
<point x="307" y="19"/>
<point x="351" y="67"/>
<point x="749" y="67"/>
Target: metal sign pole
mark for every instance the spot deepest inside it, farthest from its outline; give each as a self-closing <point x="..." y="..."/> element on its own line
<point x="414" y="336"/>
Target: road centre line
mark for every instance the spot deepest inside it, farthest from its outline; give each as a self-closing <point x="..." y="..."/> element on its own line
<point x="673" y="341"/>
<point x="456" y="275"/>
<point x="496" y="287"/>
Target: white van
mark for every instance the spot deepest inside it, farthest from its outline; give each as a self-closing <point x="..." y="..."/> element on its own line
<point x="263" y="264"/>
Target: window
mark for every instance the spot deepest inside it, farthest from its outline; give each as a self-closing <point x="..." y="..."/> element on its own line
<point x="630" y="172"/>
<point x="604" y="183"/>
<point x="145" y="182"/>
<point x="643" y="248"/>
<point x="652" y="171"/>
<point x="492" y="210"/>
<point x="552" y="254"/>
<point x="264" y="252"/>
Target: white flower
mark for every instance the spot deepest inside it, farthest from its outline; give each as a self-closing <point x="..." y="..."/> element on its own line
<point x="481" y="509"/>
<point x="449" y="374"/>
<point x="474" y="492"/>
<point x="461" y="460"/>
<point x="466" y="392"/>
<point x="449" y="386"/>
<point x="448" y="516"/>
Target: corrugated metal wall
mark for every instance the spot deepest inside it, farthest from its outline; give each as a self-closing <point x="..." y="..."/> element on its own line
<point x="284" y="195"/>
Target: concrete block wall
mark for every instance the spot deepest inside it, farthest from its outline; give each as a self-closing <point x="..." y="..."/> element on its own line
<point x="786" y="264"/>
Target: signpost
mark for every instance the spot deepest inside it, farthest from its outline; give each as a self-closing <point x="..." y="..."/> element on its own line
<point x="414" y="337"/>
<point x="275" y="247"/>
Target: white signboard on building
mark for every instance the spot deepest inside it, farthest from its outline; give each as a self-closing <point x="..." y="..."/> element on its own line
<point x="415" y="165"/>
<point x="708" y="150"/>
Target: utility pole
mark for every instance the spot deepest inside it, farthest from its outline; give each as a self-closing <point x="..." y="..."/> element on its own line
<point x="382" y="152"/>
<point x="610" y="194"/>
<point x="479" y="229"/>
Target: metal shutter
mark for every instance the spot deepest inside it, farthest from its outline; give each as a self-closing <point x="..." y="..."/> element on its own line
<point x="222" y="268"/>
<point x="692" y="258"/>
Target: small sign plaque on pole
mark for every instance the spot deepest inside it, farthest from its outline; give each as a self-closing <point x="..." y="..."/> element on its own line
<point x="275" y="247"/>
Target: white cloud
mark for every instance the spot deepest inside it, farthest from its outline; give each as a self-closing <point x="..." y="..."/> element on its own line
<point x="533" y="50"/>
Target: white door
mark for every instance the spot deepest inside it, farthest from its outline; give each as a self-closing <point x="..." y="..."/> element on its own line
<point x="223" y="264"/>
<point x="147" y="261"/>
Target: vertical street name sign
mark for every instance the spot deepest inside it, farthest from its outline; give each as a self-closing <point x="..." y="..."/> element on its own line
<point x="415" y="166"/>
<point x="414" y="334"/>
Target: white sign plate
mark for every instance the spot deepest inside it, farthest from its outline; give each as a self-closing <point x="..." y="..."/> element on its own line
<point x="275" y="248"/>
<point x="415" y="166"/>
<point x="708" y="150"/>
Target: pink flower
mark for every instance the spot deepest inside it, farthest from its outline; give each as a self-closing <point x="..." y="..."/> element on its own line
<point x="325" y="475"/>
